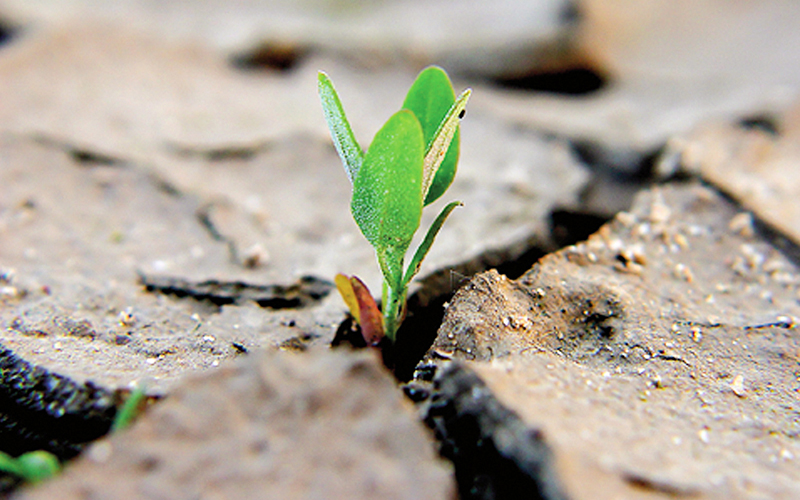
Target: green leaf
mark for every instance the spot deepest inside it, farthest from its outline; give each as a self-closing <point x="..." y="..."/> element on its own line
<point x="387" y="193"/>
<point x="439" y="148"/>
<point x="33" y="466"/>
<point x="425" y="246"/>
<point x="430" y="97"/>
<point x="130" y="409"/>
<point x="10" y="465"/>
<point x="343" y="138"/>
<point x="38" y="465"/>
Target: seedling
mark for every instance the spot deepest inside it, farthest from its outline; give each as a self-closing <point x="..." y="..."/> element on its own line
<point x="130" y="409"/>
<point x="409" y="165"/>
<point x="31" y="467"/>
<point x="36" y="466"/>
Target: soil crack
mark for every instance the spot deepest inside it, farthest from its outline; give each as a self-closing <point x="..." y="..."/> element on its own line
<point x="306" y="291"/>
<point x="496" y="456"/>
<point x="81" y="155"/>
<point x="44" y="410"/>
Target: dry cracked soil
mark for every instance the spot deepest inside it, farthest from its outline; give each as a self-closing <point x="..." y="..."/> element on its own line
<point x="612" y="314"/>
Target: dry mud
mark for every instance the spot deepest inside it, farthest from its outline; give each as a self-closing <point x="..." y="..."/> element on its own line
<point x="613" y="311"/>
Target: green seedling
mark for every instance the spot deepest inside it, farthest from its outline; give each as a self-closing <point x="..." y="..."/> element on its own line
<point x="130" y="409"/>
<point x="36" y="466"/>
<point x="31" y="467"/>
<point x="409" y="164"/>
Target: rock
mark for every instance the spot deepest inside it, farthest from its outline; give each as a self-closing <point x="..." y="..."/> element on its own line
<point x="507" y="37"/>
<point x="495" y="454"/>
<point x="74" y="239"/>
<point x="117" y="93"/>
<point x="752" y="161"/>
<point x="271" y="425"/>
<point x="204" y="121"/>
<point x="171" y="200"/>
<point x="100" y="202"/>
<point x="664" y="68"/>
<point x="666" y="319"/>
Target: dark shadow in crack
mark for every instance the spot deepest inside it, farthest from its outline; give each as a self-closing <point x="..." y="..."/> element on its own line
<point x="226" y="152"/>
<point x="568" y="227"/>
<point x="496" y="456"/>
<point x="43" y="410"/>
<point x="80" y="155"/>
<point x="270" y="56"/>
<point x="8" y="31"/>
<point x="306" y="291"/>
<point x="765" y="122"/>
<point x="91" y="158"/>
<point x="578" y="80"/>
<point x="618" y="174"/>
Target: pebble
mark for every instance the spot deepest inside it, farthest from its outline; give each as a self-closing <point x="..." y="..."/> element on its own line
<point x="681" y="271"/>
<point x="126" y="318"/>
<point x="742" y="224"/>
<point x="737" y="386"/>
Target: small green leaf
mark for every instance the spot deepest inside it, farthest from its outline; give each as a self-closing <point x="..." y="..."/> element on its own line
<point x="343" y="138"/>
<point x="425" y="246"/>
<point x="130" y="409"/>
<point x="430" y="98"/>
<point x="33" y="466"/>
<point x="387" y="193"/>
<point x="38" y="465"/>
<point x="10" y="465"/>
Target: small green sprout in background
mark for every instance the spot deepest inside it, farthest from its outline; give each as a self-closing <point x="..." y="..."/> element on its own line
<point x="36" y="466"/>
<point x="409" y="165"/>
<point x="130" y="409"/>
<point x="32" y="467"/>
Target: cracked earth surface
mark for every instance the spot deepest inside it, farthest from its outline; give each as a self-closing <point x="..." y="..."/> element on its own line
<point x="172" y="213"/>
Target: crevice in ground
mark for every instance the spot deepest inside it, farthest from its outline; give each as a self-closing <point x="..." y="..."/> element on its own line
<point x="772" y="235"/>
<point x="8" y="31"/>
<point x="41" y="410"/>
<point x="206" y="222"/>
<point x="91" y="158"/>
<point x="765" y="122"/>
<point x="228" y="152"/>
<point x="496" y="456"/>
<point x="274" y="56"/>
<point x="561" y="68"/>
<point x="577" y="80"/>
<point x="618" y="174"/>
<point x="80" y="155"/>
<point x="568" y="227"/>
<point x="308" y="290"/>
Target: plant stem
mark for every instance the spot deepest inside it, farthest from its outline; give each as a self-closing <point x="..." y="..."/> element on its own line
<point x="392" y="299"/>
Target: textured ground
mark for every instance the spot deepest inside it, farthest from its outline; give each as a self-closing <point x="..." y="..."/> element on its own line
<point x="171" y="206"/>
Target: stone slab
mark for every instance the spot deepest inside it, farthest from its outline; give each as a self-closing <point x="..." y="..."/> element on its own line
<point x="658" y="358"/>
<point x="272" y="425"/>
